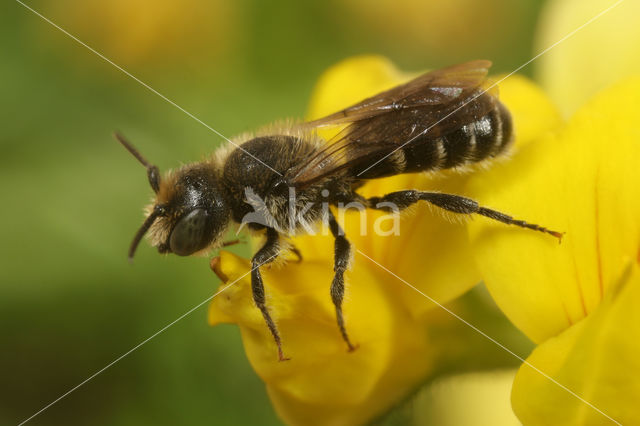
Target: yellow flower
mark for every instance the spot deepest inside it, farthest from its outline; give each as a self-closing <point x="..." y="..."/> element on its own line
<point x="577" y="300"/>
<point x="599" y="54"/>
<point x="323" y="383"/>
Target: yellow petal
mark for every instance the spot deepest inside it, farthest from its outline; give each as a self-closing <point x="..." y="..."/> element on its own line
<point x="350" y="81"/>
<point x="597" y="55"/>
<point x="323" y="383"/>
<point x="581" y="180"/>
<point x="469" y="399"/>
<point x="598" y="359"/>
<point x="532" y="111"/>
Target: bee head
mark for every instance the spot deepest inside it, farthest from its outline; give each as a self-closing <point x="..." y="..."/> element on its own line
<point x="189" y="213"/>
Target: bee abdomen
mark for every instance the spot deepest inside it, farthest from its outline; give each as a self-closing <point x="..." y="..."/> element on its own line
<point x="476" y="141"/>
<point x="479" y="140"/>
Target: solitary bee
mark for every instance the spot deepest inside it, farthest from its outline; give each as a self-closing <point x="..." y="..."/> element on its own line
<point x="441" y="120"/>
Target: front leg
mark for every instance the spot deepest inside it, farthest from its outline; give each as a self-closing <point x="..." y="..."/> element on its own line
<point x="341" y="262"/>
<point x="267" y="253"/>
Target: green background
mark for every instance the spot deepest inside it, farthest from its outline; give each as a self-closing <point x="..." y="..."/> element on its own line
<point x="70" y="303"/>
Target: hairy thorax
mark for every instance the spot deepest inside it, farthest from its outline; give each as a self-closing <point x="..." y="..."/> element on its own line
<point x="260" y="193"/>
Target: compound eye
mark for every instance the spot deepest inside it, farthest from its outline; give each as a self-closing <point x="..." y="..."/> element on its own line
<point x="189" y="235"/>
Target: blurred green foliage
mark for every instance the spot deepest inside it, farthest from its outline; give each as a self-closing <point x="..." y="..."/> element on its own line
<point x="72" y="197"/>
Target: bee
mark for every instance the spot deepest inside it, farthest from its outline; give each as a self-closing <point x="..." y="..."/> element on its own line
<point x="444" y="119"/>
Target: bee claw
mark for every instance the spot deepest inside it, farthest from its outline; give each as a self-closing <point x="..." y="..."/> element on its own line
<point x="558" y="235"/>
<point x="281" y="356"/>
<point x="297" y="254"/>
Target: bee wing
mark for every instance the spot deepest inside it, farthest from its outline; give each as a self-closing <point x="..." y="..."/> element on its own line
<point x="432" y="104"/>
<point x="437" y="87"/>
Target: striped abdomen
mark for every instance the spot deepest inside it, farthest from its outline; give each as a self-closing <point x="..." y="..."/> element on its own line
<point x="479" y="140"/>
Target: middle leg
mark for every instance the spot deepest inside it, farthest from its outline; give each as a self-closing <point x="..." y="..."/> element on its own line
<point x="267" y="253"/>
<point x="341" y="262"/>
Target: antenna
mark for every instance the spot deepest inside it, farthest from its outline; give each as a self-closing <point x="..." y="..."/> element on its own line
<point x="152" y="171"/>
<point x="143" y="230"/>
